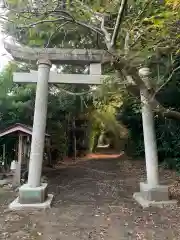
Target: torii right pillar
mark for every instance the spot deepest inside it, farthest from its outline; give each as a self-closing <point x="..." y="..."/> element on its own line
<point x="151" y="193"/>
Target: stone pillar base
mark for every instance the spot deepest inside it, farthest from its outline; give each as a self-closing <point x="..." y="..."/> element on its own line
<point x="32" y="198"/>
<point x="157" y="196"/>
<point x="28" y="195"/>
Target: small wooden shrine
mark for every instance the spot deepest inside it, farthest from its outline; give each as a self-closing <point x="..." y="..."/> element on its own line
<point x="16" y="145"/>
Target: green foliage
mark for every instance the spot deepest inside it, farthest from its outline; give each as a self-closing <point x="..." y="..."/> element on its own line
<point x="153" y="30"/>
<point x="175" y="4"/>
<point x="150" y="25"/>
<point x="17" y="106"/>
<point x="167" y="133"/>
<point x="107" y="99"/>
<point x="51" y="33"/>
<point x="167" y="130"/>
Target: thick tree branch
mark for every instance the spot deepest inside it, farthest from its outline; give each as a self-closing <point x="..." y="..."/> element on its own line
<point x="106" y="34"/>
<point x="164" y="112"/>
<point x="126" y="44"/>
<point x="167" y="81"/>
<point x="156" y="106"/>
<point x="118" y="22"/>
<point x="170" y="114"/>
<point x="121" y="64"/>
<point x="54" y="33"/>
<point x="72" y="20"/>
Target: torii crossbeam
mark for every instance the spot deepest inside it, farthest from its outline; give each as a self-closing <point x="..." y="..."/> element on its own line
<point x="90" y="79"/>
<point x="58" y="55"/>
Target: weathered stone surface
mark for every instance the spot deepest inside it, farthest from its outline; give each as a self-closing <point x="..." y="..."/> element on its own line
<point x="28" y="195"/>
<point x="16" y="205"/>
<point x="145" y="203"/>
<point x="58" y="55"/>
<point x="54" y="77"/>
<point x="157" y="196"/>
<point x="159" y="193"/>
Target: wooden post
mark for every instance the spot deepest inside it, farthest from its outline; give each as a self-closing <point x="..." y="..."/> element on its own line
<point x="20" y="156"/>
<point x="4" y="157"/>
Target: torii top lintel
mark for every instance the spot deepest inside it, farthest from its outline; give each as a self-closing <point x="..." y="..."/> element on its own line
<point x="58" y="55"/>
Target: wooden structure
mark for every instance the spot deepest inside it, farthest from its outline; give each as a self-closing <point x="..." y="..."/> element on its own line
<point x="78" y="141"/>
<point x="23" y="146"/>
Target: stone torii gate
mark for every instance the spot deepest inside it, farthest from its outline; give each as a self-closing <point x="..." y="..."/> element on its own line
<point x="34" y="193"/>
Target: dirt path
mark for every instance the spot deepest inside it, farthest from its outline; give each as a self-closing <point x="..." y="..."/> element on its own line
<point x="93" y="201"/>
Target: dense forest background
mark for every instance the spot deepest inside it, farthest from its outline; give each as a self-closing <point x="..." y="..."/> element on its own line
<point x="152" y="31"/>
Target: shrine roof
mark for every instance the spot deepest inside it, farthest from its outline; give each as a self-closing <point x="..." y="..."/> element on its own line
<point x="18" y="127"/>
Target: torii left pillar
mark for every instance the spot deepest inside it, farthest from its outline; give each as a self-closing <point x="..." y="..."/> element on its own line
<point x="34" y="193"/>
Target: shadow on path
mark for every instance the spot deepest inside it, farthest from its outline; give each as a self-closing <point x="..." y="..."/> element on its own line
<point x="93" y="201"/>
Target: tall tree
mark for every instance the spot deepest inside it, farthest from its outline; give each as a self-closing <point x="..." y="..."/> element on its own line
<point x="133" y="32"/>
